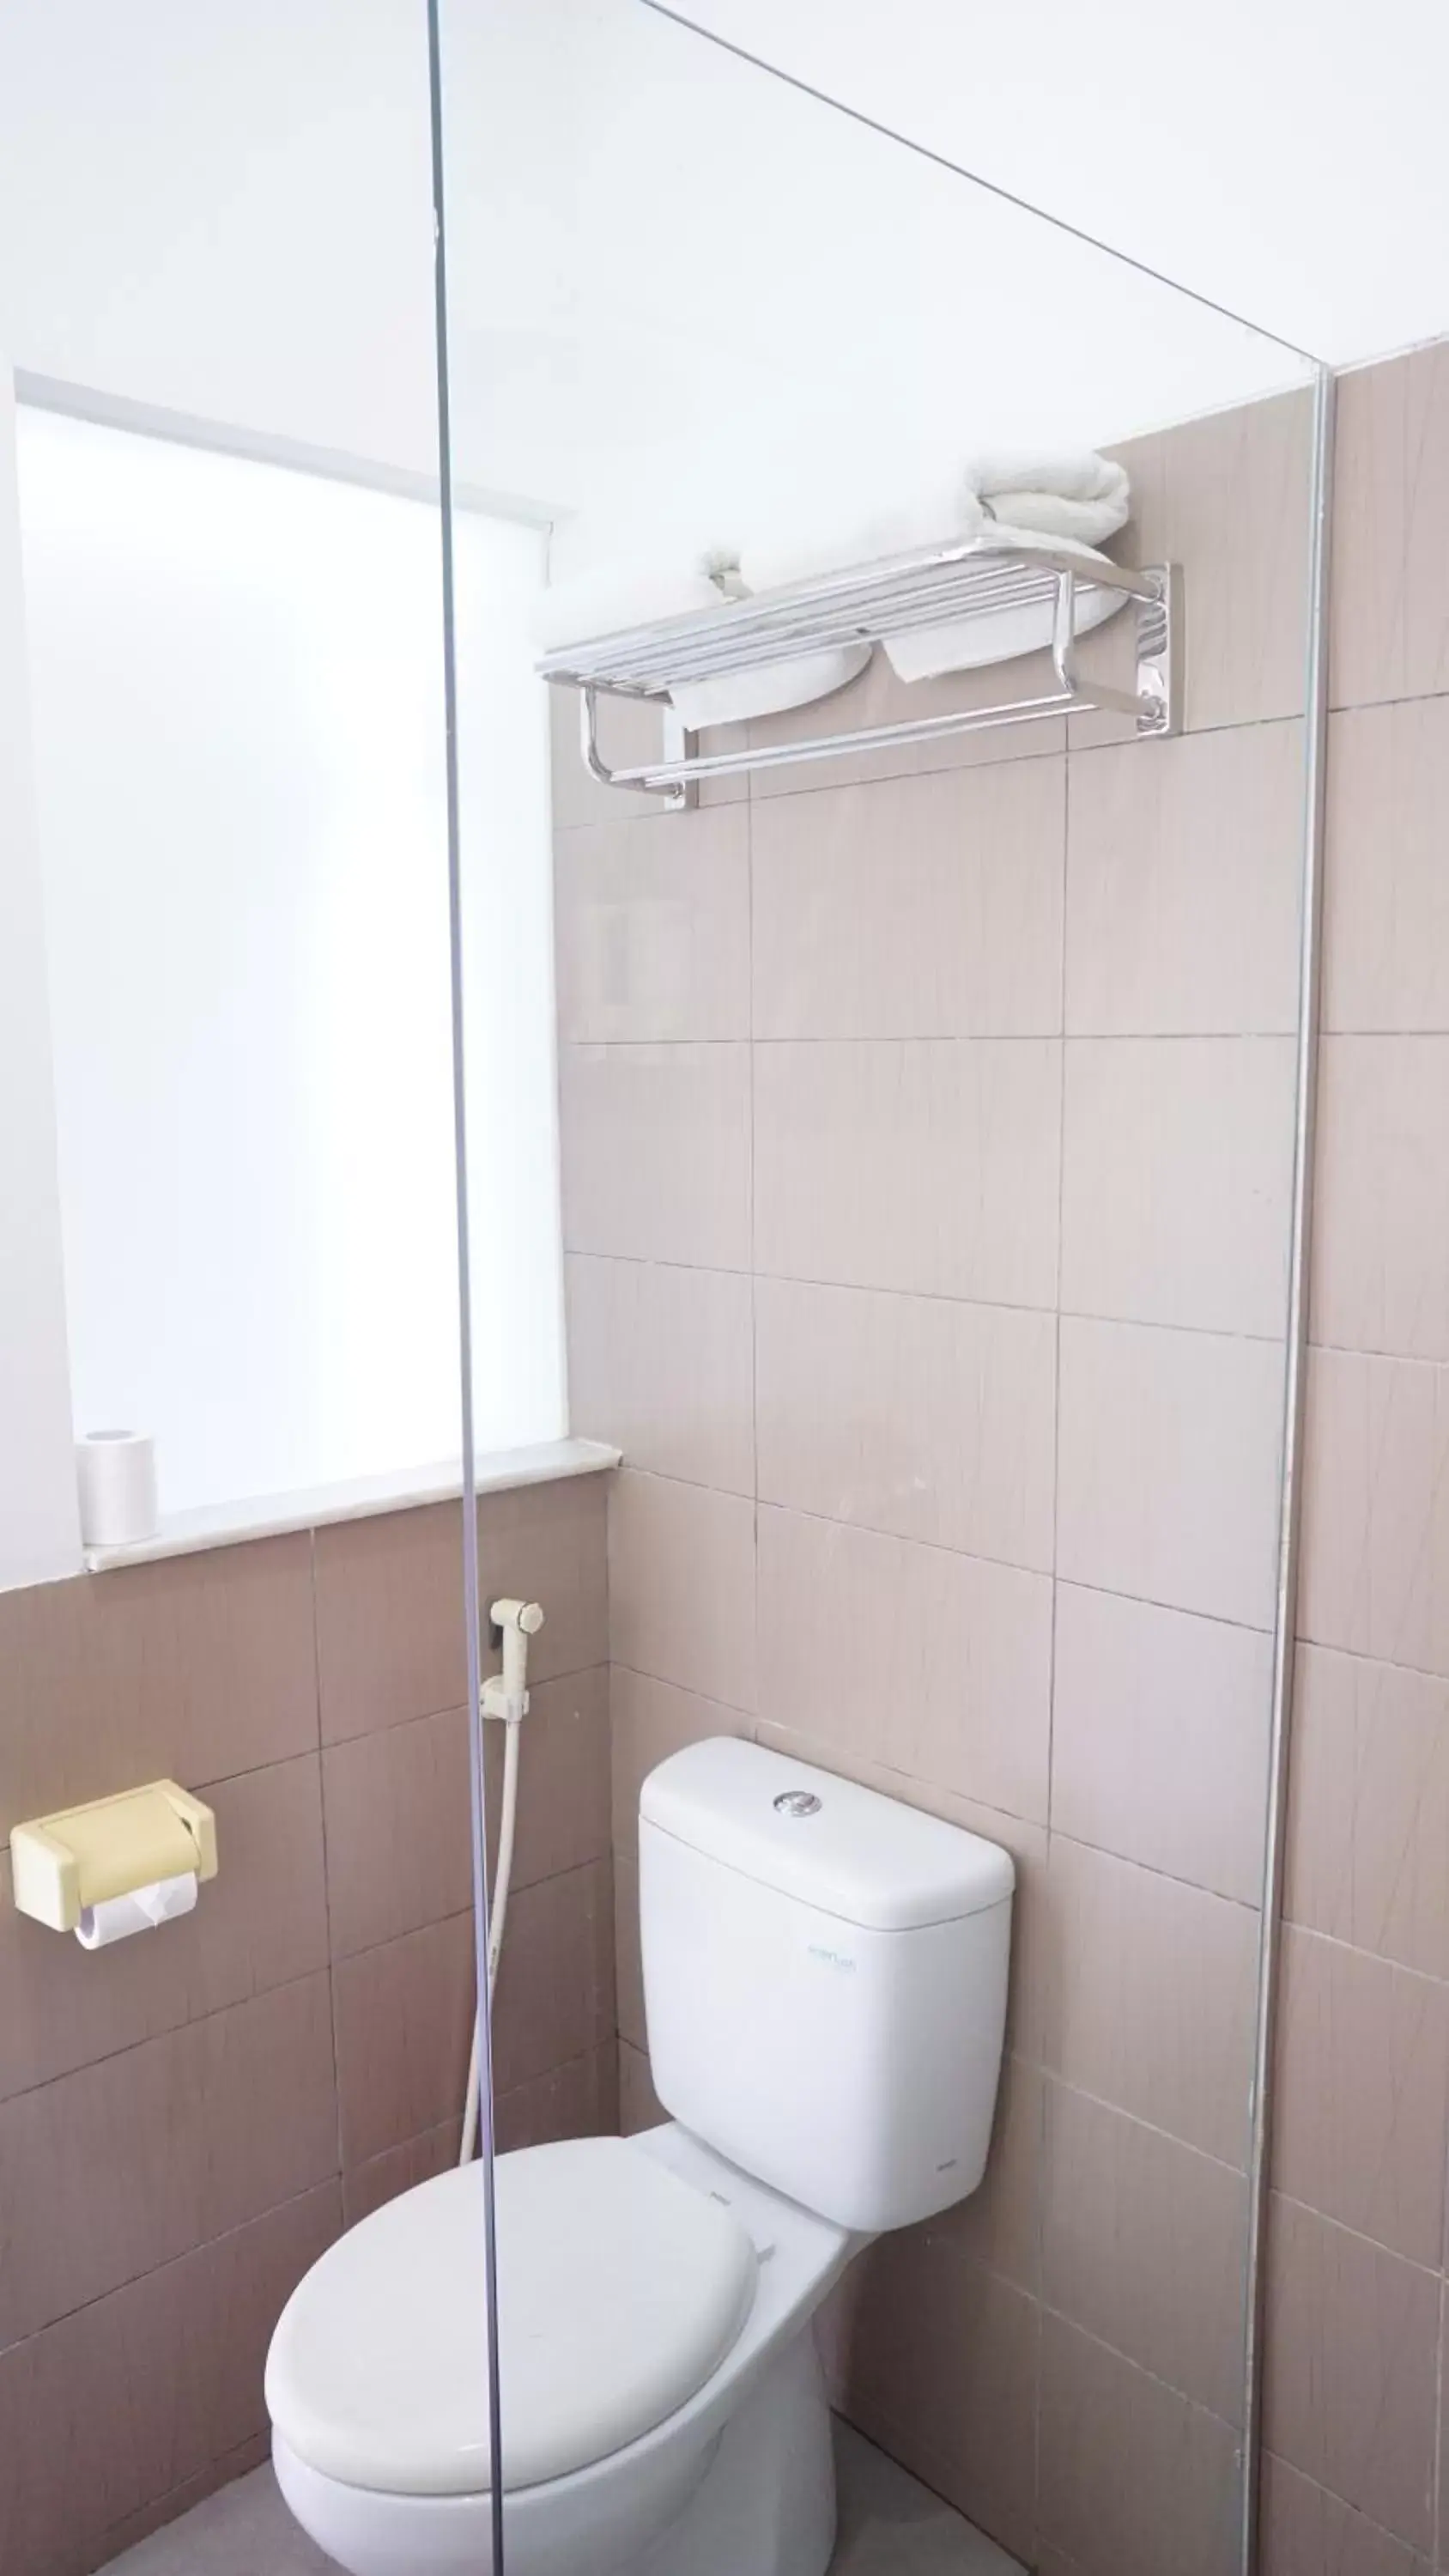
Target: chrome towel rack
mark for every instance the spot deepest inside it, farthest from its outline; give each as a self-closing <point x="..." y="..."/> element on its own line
<point x="974" y="578"/>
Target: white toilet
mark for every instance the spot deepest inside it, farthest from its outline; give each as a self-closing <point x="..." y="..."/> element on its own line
<point x="825" y="1981"/>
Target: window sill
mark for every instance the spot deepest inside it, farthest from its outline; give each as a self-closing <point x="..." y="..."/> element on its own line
<point x="270" y="1515"/>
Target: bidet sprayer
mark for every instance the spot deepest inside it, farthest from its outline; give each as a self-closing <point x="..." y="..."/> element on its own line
<point x="505" y="1694"/>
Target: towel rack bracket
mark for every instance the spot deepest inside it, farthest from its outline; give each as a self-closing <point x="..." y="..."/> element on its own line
<point x="1160" y="641"/>
<point x="678" y="794"/>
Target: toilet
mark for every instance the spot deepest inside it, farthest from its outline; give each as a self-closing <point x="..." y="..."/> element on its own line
<point x="825" y="1975"/>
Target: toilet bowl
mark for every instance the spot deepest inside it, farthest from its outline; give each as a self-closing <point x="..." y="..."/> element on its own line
<point x="826" y="2012"/>
<point x="655" y="2310"/>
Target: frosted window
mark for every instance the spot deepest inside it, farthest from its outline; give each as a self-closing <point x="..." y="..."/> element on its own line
<point x="237" y="708"/>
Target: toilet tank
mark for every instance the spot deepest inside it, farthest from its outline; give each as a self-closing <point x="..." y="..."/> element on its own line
<point x="825" y="1977"/>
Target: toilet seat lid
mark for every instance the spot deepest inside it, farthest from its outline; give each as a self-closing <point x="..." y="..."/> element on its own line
<point x="620" y="2290"/>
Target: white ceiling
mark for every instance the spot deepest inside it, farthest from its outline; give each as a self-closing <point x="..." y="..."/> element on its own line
<point x="1286" y="157"/>
<point x="683" y="295"/>
<point x="732" y="305"/>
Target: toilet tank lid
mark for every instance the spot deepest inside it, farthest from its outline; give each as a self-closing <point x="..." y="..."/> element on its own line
<point x="850" y="1852"/>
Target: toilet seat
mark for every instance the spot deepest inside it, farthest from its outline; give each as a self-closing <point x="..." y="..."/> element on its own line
<point x="620" y="2290"/>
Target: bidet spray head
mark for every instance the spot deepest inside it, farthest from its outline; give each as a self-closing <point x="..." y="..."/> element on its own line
<point x="525" y="1616"/>
<point x="516" y="1622"/>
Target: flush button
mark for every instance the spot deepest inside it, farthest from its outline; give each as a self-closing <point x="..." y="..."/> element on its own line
<point x="797" y="1802"/>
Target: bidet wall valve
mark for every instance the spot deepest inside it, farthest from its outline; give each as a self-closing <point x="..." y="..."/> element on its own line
<point x="505" y="1694"/>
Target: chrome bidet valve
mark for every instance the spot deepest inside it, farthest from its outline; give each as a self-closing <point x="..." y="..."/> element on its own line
<point x="505" y="1694"/>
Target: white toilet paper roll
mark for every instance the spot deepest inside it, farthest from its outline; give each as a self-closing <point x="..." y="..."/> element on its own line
<point x="119" y="1916"/>
<point x="116" y="1473"/>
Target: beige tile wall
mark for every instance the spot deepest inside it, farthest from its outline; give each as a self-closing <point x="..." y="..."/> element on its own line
<point x="927" y="1131"/>
<point x="1357" y="2359"/>
<point x="186" y="2121"/>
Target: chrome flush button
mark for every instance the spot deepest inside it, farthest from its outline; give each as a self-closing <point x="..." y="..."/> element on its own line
<point x="797" y="1802"/>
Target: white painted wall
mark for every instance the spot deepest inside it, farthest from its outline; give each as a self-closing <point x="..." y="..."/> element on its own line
<point x="224" y="210"/>
<point x="684" y="297"/>
<point x="39" y="1531"/>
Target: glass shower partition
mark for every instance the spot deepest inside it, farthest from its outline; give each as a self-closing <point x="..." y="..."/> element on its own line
<point x="930" y="1128"/>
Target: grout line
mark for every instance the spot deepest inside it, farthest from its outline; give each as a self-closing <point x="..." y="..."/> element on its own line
<point x="1057" y="1332"/>
<point x="326" y="1859"/>
<point x="336" y="1743"/>
<point x="1361" y="1655"/>
<point x="1038" y="2299"/>
<point x="1332" y="1031"/>
<point x="171" y="2031"/>
<point x="1403" y="2549"/>
<point x="188" y="2254"/>
<point x="256" y="1771"/>
<point x="1008" y="1565"/>
<point x="686" y="1690"/>
<point x="1396" y="1359"/>
<point x="1087" y="748"/>
<point x="754" y="1272"/>
<point x="988" y="1806"/>
<point x="415" y="1717"/>
<point x="237" y="2460"/>
<point x="1060" y="2316"/>
<point x="1326" y="2218"/>
<point x="1356" y="1950"/>
<point x="933" y="1297"/>
<point x="1042" y="2106"/>
<point x="1405" y="698"/>
<point x="1150" y="1869"/>
<point x="456" y="1707"/>
<point x="935" y="2471"/>
<point x="859" y="1039"/>
<point x="326" y="1968"/>
<point x="1052" y="2075"/>
<point x="415" y="2138"/>
<point x="1073" y="1583"/>
<point x="1007" y="760"/>
<point x="1436" y="2493"/>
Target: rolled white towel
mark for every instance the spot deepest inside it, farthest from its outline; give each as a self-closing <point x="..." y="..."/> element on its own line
<point x="1066" y="503"/>
<point x="1086" y="497"/>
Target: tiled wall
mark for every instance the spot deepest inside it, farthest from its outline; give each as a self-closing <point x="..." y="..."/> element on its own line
<point x="1356" y="2352"/>
<point x="927" y="1136"/>
<point x="187" y="2119"/>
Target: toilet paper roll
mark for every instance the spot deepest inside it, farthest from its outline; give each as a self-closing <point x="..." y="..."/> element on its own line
<point x="116" y="1473"/>
<point x="119" y="1916"/>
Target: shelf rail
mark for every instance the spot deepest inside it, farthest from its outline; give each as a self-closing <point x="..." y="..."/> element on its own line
<point x="937" y="586"/>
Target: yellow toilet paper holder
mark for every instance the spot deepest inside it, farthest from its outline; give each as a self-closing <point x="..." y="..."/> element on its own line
<point x="80" y="1856"/>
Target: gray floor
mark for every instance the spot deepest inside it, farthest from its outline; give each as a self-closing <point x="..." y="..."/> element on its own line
<point x="889" y="2526"/>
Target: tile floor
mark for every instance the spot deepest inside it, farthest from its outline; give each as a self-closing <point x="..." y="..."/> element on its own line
<point x="889" y="2526"/>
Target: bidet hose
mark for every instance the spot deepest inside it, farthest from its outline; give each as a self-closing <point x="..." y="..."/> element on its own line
<point x="502" y="1878"/>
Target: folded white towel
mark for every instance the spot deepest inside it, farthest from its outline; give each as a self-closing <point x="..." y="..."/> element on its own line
<point x="804" y="553"/>
<point x="970" y="643"/>
<point x="617" y="596"/>
<point x="609" y="601"/>
<point x="737" y="695"/>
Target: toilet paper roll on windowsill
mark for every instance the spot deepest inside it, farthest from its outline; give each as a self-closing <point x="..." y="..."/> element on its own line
<point x="117" y="1917"/>
<point x="116" y="1476"/>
